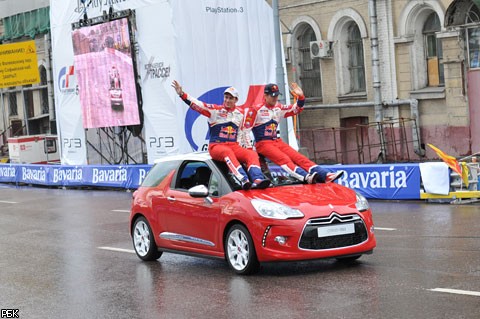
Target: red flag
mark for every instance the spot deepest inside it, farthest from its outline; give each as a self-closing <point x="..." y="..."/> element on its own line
<point x="449" y="160"/>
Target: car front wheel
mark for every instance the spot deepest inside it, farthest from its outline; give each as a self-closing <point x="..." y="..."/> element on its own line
<point x="240" y="251"/>
<point x="143" y="240"/>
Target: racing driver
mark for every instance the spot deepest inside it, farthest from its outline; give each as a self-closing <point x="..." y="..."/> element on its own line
<point x="225" y="122"/>
<point x="263" y="120"/>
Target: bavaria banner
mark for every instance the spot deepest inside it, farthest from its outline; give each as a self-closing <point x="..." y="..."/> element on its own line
<point x="375" y="181"/>
<point x="382" y="181"/>
<point x="206" y="45"/>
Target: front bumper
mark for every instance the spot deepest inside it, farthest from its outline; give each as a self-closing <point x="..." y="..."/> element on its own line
<point x="299" y="240"/>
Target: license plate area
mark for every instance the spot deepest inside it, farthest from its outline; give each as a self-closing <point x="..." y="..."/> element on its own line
<point x="335" y="230"/>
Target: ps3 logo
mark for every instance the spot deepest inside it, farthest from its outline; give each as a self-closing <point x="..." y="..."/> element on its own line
<point x="161" y="141"/>
<point x="72" y="143"/>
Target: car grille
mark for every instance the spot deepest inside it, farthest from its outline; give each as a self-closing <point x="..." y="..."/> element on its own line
<point x="310" y="239"/>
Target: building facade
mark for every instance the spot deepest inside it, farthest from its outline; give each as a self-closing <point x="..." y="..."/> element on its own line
<point x="29" y="109"/>
<point x="418" y="59"/>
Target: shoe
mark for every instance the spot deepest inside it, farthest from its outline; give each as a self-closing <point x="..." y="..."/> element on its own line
<point x="246" y="185"/>
<point x="311" y="178"/>
<point x="261" y="183"/>
<point x="333" y="176"/>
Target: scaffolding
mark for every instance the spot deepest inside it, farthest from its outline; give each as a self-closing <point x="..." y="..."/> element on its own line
<point x="361" y="144"/>
<point x="114" y="146"/>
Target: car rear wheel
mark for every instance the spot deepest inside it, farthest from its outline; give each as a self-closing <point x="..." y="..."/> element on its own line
<point x="143" y="240"/>
<point x="240" y="251"/>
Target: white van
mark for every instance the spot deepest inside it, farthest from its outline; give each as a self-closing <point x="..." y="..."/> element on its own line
<point x="34" y="149"/>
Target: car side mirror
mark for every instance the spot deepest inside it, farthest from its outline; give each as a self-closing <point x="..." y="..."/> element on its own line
<point x="198" y="191"/>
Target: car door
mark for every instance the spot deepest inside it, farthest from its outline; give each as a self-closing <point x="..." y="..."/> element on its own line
<point x="192" y="222"/>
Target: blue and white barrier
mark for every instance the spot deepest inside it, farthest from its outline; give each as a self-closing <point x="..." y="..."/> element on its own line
<point x="117" y="176"/>
<point x="382" y="181"/>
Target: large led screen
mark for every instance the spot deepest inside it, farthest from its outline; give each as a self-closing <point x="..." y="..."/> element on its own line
<point x="106" y="78"/>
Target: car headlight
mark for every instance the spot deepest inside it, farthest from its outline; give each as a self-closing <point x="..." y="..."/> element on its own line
<point x="273" y="210"/>
<point x="362" y="203"/>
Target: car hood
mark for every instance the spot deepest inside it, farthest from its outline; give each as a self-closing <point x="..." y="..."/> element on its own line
<point x="307" y="197"/>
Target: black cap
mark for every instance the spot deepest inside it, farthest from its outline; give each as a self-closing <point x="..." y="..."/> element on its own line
<point x="271" y="89"/>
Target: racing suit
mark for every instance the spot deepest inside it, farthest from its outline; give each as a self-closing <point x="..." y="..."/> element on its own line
<point x="223" y="146"/>
<point x="263" y="120"/>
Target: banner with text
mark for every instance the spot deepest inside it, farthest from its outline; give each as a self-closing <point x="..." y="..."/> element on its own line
<point x="115" y="176"/>
<point x="228" y="43"/>
<point x="381" y="181"/>
<point x="206" y="45"/>
<point x="399" y="181"/>
<point x="19" y="64"/>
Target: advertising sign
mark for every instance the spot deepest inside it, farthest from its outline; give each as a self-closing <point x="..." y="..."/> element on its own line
<point x="105" y="74"/>
<point x="382" y="181"/>
<point x="205" y="45"/>
<point x="19" y="64"/>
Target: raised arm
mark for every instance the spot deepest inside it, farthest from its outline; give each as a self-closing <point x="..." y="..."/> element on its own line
<point x="195" y="104"/>
<point x="299" y="96"/>
<point x="177" y="87"/>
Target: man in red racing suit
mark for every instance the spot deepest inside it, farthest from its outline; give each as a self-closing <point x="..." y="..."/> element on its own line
<point x="225" y="122"/>
<point x="263" y="120"/>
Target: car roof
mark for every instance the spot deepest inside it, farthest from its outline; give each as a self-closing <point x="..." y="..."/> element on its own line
<point x="196" y="156"/>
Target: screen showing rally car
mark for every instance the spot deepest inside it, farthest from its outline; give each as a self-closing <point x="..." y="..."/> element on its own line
<point x="105" y="74"/>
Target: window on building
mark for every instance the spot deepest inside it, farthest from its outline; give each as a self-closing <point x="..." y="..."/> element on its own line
<point x="433" y="51"/>
<point x="473" y="47"/>
<point x="473" y="35"/>
<point x="309" y="69"/>
<point x="473" y="14"/>
<point x="12" y="104"/>
<point x="356" y="64"/>
<point x="28" y="101"/>
<point x="43" y="90"/>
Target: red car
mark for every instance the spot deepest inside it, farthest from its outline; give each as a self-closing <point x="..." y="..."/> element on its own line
<point x="116" y="99"/>
<point x="191" y="204"/>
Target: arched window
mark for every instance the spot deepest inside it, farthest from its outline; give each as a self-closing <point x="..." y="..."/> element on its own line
<point x="425" y="47"/>
<point x="433" y="51"/>
<point x="356" y="64"/>
<point x="347" y="30"/>
<point x="309" y="69"/>
<point x="473" y="34"/>
<point x="473" y="14"/>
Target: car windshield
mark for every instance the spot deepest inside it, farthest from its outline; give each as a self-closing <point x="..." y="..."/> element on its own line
<point x="273" y="172"/>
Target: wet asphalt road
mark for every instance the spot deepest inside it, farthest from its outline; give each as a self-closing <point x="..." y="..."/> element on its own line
<point x="59" y="260"/>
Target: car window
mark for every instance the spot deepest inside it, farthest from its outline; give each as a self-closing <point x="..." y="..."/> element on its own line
<point x="213" y="188"/>
<point x="231" y="179"/>
<point x="192" y="174"/>
<point x="158" y="172"/>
